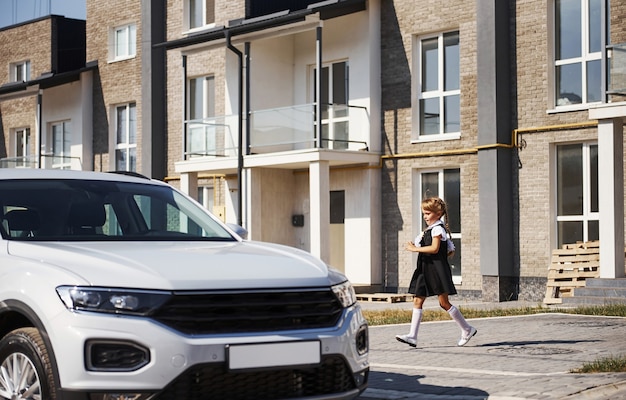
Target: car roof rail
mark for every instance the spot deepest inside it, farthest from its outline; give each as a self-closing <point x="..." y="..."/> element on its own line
<point x="129" y="173"/>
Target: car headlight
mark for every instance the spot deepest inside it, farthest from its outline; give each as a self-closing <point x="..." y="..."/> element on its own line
<point x="345" y="294"/>
<point x="112" y="300"/>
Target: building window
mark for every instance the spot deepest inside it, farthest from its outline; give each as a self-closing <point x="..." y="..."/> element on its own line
<point x="578" y="51"/>
<point x="334" y="104"/>
<point x="126" y="137"/>
<point x="445" y="183"/>
<point x="22" y="147"/>
<point x="201" y="127"/>
<point x="438" y="94"/>
<point x="124" y="42"/>
<point x="577" y="193"/>
<point x="61" y="145"/>
<point x="20" y="71"/>
<point x="200" y="13"/>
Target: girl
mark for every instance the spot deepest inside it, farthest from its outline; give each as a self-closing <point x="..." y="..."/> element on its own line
<point x="432" y="275"/>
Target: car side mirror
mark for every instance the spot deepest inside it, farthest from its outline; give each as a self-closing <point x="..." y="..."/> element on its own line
<point x="239" y="230"/>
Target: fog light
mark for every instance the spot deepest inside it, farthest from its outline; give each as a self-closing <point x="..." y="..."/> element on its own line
<point x="362" y="340"/>
<point x="115" y="356"/>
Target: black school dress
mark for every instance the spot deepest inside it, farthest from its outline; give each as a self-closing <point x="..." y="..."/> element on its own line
<point x="432" y="275"/>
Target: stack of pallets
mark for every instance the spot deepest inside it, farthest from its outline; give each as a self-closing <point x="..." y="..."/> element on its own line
<point x="384" y="297"/>
<point x="571" y="265"/>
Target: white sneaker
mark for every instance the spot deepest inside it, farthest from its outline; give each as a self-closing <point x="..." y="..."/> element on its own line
<point x="407" y="339"/>
<point x="466" y="338"/>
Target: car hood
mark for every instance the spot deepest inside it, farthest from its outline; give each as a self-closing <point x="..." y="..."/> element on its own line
<point x="178" y="265"/>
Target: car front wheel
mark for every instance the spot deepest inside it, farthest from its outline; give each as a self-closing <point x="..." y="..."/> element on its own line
<point x="25" y="368"/>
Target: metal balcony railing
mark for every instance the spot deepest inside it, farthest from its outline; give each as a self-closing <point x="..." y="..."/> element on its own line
<point x="273" y="130"/>
<point x="617" y="69"/>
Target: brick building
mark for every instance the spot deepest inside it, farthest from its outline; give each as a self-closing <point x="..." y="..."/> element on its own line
<point x="277" y="117"/>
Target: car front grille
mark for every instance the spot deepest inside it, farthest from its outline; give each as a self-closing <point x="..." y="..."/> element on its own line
<point x="214" y="381"/>
<point x="250" y="311"/>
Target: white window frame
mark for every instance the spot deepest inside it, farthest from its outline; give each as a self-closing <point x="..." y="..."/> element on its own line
<point x="206" y="5"/>
<point x="418" y="218"/>
<point x="439" y="93"/>
<point x="337" y="114"/>
<point x="22" y="153"/>
<point x="126" y="145"/>
<point x="205" y="132"/>
<point x="61" y="158"/>
<point x="128" y="33"/>
<point x="15" y="74"/>
<point x="587" y="215"/>
<point x="585" y="57"/>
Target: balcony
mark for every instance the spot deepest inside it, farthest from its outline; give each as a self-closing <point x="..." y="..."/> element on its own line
<point x="617" y="69"/>
<point x="48" y="161"/>
<point x="282" y="129"/>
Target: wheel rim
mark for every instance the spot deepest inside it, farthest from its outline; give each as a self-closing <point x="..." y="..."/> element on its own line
<point x="19" y="378"/>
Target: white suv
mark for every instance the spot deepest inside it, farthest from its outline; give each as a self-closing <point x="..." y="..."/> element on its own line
<point x="118" y="287"/>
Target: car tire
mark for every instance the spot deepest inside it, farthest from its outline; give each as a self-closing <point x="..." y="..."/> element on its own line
<point x="25" y="368"/>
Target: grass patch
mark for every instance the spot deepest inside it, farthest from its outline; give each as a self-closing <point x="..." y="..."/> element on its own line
<point x="395" y="316"/>
<point x="607" y="364"/>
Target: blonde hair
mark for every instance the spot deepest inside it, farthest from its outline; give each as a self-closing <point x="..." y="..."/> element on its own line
<point x="438" y="206"/>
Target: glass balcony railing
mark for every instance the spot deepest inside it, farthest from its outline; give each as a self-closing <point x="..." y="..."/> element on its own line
<point x="617" y="69"/>
<point x="280" y="129"/>
<point x="48" y="161"/>
<point x="293" y="128"/>
<point x="211" y="137"/>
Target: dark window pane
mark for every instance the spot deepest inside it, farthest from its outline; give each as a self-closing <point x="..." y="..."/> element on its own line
<point x="594" y="81"/>
<point x="570" y="232"/>
<point x="451" y="61"/>
<point x="452" y="190"/>
<point x="593" y="230"/>
<point x="595" y="26"/>
<point x="430" y="65"/>
<point x="569" y="180"/>
<point x="429" y="116"/>
<point x="568" y="29"/>
<point x="569" y="84"/>
<point x="452" y="114"/>
<point x="340" y="86"/>
<point x="593" y="178"/>
<point x="337" y="206"/>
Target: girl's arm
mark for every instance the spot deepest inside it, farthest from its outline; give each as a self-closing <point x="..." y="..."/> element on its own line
<point x="432" y="249"/>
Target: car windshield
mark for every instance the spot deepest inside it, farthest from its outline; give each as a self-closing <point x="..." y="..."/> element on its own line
<point x="95" y="210"/>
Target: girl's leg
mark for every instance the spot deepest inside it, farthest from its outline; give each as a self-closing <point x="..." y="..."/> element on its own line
<point x="416" y="318"/>
<point x="467" y="331"/>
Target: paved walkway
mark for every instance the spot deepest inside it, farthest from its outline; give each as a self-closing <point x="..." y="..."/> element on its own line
<point x="511" y="358"/>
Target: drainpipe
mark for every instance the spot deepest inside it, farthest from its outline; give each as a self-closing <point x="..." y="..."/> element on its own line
<point x="39" y="127"/>
<point x="185" y="106"/>
<point x="240" y="130"/>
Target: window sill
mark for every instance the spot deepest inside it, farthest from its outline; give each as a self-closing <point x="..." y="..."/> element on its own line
<point x="437" y="138"/>
<point x="572" y="107"/>
<point x="122" y="59"/>
<point x="201" y="29"/>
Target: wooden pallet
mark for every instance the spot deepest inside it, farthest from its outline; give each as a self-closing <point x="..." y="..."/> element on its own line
<point x="384" y="297"/>
<point x="570" y="266"/>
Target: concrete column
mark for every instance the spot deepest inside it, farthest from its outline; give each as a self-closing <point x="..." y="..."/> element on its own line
<point x="189" y="183"/>
<point x="611" y="197"/>
<point x="319" y="192"/>
<point x="495" y="162"/>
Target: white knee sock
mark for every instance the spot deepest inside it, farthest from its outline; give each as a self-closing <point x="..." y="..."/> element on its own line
<point x="458" y="317"/>
<point x="416" y="318"/>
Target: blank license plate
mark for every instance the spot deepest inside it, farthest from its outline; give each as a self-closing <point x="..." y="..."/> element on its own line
<point x="270" y="355"/>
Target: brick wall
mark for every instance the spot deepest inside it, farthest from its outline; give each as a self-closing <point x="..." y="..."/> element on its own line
<point x="117" y="82"/>
<point x="402" y="23"/>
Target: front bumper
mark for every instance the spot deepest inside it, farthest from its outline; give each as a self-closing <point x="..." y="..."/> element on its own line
<point x="191" y="367"/>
